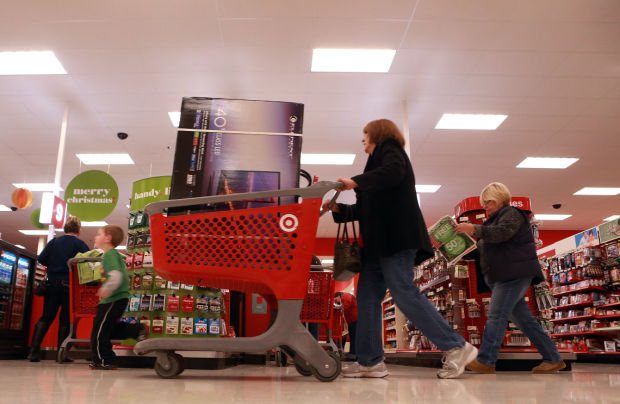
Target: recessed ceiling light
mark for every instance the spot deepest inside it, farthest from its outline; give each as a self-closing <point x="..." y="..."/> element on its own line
<point x="610" y="218"/>
<point x="39" y="186"/>
<point x="427" y="188"/>
<point x="94" y="224"/>
<point x="4" y="208"/>
<point x="470" y="121"/>
<point x="551" y="217"/>
<point x="37" y="232"/>
<point x="327" y="159"/>
<point x="34" y="62"/>
<point x="352" y="60"/>
<point x="102" y="159"/>
<point x="175" y="118"/>
<point x="547" y="162"/>
<point x="597" y="191"/>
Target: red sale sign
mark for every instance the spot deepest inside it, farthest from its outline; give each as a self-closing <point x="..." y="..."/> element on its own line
<point x="59" y="211"/>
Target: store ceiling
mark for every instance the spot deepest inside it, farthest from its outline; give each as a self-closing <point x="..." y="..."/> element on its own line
<point x="553" y="66"/>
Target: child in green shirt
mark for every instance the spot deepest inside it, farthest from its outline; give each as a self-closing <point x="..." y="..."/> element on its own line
<point x="114" y="294"/>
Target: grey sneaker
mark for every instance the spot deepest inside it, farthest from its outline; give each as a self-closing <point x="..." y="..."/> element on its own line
<point x="354" y="369"/>
<point x="455" y="360"/>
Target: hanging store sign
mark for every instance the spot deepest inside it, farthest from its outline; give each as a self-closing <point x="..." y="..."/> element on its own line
<point x="609" y="231"/>
<point x="91" y="195"/>
<point x="149" y="190"/>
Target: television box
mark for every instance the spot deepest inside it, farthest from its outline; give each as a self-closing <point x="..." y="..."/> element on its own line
<point x="237" y="146"/>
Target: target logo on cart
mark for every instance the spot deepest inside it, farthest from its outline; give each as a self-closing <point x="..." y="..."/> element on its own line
<point x="289" y="223"/>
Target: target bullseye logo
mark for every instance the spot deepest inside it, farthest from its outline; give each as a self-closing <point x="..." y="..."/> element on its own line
<point x="289" y="222"/>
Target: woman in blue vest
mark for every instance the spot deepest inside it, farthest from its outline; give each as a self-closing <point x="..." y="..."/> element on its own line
<point x="509" y="265"/>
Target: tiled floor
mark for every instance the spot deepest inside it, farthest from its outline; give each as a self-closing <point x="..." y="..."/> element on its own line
<point x="48" y="382"/>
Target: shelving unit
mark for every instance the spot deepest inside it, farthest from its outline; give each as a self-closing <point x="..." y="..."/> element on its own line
<point x="586" y="318"/>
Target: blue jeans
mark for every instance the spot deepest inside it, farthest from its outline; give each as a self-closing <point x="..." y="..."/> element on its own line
<point x="508" y="303"/>
<point x="396" y="273"/>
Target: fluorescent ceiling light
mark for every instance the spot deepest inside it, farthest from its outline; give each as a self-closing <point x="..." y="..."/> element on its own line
<point x="610" y="218"/>
<point x="551" y="217"/>
<point x="427" y="188"/>
<point x="4" y="208"/>
<point x="352" y="60"/>
<point x="34" y="187"/>
<point x="328" y="159"/>
<point x="121" y="247"/>
<point x="94" y="224"/>
<point x="175" y="118"/>
<point x="35" y="62"/>
<point x="94" y="159"/>
<point x="597" y="191"/>
<point x="547" y="162"/>
<point x="35" y="232"/>
<point x="470" y="121"/>
<point x="20" y="246"/>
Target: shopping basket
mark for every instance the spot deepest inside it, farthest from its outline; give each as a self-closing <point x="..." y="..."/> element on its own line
<point x="318" y="304"/>
<point x="83" y="303"/>
<point x="265" y="250"/>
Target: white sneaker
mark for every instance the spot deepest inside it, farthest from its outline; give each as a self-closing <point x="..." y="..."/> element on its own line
<point x="455" y="360"/>
<point x="354" y="369"/>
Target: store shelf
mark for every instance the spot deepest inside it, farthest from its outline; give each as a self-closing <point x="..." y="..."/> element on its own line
<point x="435" y="282"/>
<point x="390" y="307"/>
<point x="588" y="289"/>
<point x="608" y="316"/>
<point x="581" y="334"/>
<point x="609" y="329"/>
<point x="389" y="318"/>
<point x="608" y="305"/>
<point x="571" y="319"/>
<point x="570" y="306"/>
<point x="388" y="299"/>
<point x="390" y="328"/>
<point x="390" y="339"/>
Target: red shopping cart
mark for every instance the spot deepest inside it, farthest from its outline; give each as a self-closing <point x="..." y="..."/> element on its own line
<point x="83" y="303"/>
<point x="263" y="250"/>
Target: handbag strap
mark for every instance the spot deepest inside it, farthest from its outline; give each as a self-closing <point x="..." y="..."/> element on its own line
<point x="350" y="215"/>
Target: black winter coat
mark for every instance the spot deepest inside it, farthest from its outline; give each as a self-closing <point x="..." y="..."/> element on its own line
<point x="387" y="206"/>
<point x="510" y="257"/>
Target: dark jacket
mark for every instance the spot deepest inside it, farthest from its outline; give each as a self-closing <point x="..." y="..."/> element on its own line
<point x="507" y="249"/>
<point x="387" y="206"/>
<point x="56" y="254"/>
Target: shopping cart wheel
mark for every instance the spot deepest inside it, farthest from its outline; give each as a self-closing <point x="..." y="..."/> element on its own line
<point x="335" y="370"/>
<point x="61" y="355"/>
<point x="303" y="367"/>
<point x="171" y="367"/>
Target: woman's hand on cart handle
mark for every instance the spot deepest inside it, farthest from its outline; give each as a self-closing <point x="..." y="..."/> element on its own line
<point x="331" y="205"/>
<point x="347" y="183"/>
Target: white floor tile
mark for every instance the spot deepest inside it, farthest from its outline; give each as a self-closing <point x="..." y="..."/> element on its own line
<point x="51" y="383"/>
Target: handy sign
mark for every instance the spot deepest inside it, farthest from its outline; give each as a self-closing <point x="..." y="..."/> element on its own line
<point x="91" y="195"/>
<point x="149" y="190"/>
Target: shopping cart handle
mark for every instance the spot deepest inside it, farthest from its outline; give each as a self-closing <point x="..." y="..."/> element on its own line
<point x="317" y="190"/>
<point x="72" y="261"/>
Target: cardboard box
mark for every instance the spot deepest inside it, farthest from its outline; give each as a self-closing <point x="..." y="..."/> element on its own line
<point x="237" y="146"/>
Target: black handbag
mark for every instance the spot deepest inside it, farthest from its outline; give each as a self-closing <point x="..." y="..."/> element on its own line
<point x="347" y="253"/>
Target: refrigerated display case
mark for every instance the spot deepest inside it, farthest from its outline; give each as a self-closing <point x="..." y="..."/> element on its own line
<point x="16" y="276"/>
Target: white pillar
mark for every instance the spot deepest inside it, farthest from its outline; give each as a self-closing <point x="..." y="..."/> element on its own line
<point x="406" y="129"/>
<point x="59" y="160"/>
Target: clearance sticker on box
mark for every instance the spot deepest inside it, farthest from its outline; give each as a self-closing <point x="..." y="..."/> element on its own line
<point x="451" y="245"/>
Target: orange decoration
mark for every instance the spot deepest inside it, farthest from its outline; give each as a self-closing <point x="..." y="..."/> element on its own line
<point x="21" y="198"/>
